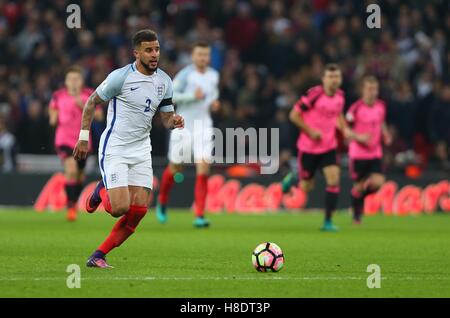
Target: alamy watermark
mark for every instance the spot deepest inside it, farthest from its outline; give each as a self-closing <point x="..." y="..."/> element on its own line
<point x="207" y="144"/>
<point x="74" y="278"/>
<point x="374" y="279"/>
<point x="73" y="20"/>
<point x="374" y="19"/>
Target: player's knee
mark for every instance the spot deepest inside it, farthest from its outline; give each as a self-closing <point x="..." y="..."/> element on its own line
<point x="203" y="171"/>
<point x="71" y="172"/>
<point x="119" y="210"/>
<point x="81" y="176"/>
<point x="174" y="168"/>
<point x="333" y="180"/>
<point x="71" y="176"/>
<point x="358" y="187"/>
<point x="377" y="182"/>
<point x="202" y="168"/>
<point x="333" y="184"/>
<point x="307" y="185"/>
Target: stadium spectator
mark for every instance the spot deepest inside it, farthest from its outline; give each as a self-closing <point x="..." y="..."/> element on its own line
<point x="274" y="48"/>
<point x="34" y="131"/>
<point x="7" y="144"/>
<point x="439" y="126"/>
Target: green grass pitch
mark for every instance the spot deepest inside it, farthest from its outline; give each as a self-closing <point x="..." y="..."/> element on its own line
<point x="176" y="260"/>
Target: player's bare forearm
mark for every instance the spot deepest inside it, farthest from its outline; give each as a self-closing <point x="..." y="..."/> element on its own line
<point x="215" y="106"/>
<point x="171" y="120"/>
<point x="387" y="137"/>
<point x="344" y="128"/>
<point x="53" y="116"/>
<point x="89" y="110"/>
<point x="81" y="149"/>
<point x="166" y="119"/>
<point x="348" y="133"/>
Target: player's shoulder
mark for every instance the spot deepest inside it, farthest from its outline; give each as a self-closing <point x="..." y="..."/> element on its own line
<point x="315" y="90"/>
<point x="353" y="110"/>
<point x="88" y="90"/>
<point x="381" y="103"/>
<point x="60" y="92"/>
<point x="122" y="72"/>
<point x="118" y="76"/>
<point x="114" y="82"/>
<point x="163" y="75"/>
<point x="212" y="71"/>
<point x="313" y="94"/>
<point x="185" y="71"/>
<point x="358" y="103"/>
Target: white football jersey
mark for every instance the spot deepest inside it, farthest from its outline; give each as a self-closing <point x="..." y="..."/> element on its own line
<point x="134" y="99"/>
<point x="185" y="84"/>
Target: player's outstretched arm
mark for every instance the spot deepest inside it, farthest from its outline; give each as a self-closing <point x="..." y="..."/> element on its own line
<point x="348" y="133"/>
<point x="387" y="137"/>
<point x="171" y="120"/>
<point x="52" y="116"/>
<point x="81" y="149"/>
<point x="296" y="118"/>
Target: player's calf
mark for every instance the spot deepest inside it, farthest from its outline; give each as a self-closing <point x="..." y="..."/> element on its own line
<point x="290" y="180"/>
<point x="331" y="200"/>
<point x="357" y="203"/>
<point x="123" y="229"/>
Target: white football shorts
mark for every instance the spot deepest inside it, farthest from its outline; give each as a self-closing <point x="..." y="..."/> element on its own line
<point x="119" y="171"/>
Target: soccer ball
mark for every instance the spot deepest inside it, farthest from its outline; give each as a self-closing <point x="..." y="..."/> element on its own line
<point x="268" y="257"/>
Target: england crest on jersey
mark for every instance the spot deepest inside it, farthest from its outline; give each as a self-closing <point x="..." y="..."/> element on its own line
<point x="160" y="90"/>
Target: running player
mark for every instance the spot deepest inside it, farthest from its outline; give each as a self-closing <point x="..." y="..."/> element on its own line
<point x="318" y="114"/>
<point x="367" y="116"/>
<point x="65" y="111"/>
<point x="195" y="93"/>
<point x="135" y="92"/>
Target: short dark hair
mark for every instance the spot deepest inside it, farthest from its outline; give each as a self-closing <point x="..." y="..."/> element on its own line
<point x="202" y="44"/>
<point x="331" y="67"/>
<point x="145" y="35"/>
<point x="369" y="79"/>
<point x="74" y="69"/>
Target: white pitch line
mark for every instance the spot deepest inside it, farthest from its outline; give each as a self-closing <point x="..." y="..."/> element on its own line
<point x="154" y="278"/>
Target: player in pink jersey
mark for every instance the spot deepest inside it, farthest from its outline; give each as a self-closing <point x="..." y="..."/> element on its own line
<point x="65" y="111"/>
<point x="367" y="116"/>
<point x="318" y="115"/>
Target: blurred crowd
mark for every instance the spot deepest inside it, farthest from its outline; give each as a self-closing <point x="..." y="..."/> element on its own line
<point x="268" y="53"/>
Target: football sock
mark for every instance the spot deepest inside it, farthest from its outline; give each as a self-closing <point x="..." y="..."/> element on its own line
<point x="358" y="204"/>
<point x="71" y="192"/>
<point x="201" y="188"/>
<point x="331" y="199"/>
<point x="98" y="254"/>
<point x="123" y="228"/>
<point x="167" y="182"/>
<point x="79" y="189"/>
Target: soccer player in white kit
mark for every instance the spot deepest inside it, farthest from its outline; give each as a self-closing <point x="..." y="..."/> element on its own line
<point x="135" y="92"/>
<point x="195" y="93"/>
